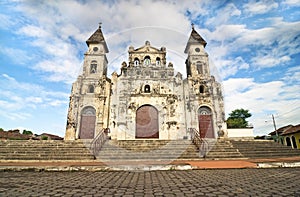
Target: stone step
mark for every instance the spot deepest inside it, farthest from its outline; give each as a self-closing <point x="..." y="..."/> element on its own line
<point x="223" y="149"/>
<point x="46" y="157"/>
<point x="44" y="150"/>
<point x="264" y="149"/>
<point x="147" y="150"/>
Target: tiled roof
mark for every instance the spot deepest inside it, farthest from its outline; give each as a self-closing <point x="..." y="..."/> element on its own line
<point x="53" y="137"/>
<point x="195" y="38"/>
<point x="289" y="129"/>
<point x="293" y="129"/>
<point x="280" y="130"/>
<point x="96" y="37"/>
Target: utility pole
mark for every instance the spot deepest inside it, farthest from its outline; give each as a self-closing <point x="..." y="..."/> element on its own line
<point x="275" y="128"/>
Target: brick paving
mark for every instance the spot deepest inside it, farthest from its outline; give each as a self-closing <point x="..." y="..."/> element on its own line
<point x="225" y="182"/>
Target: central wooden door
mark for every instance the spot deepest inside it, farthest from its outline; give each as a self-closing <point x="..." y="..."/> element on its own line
<point x="147" y="122"/>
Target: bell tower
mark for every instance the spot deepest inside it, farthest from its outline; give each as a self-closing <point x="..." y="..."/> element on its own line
<point x="95" y="61"/>
<point x="205" y="109"/>
<point x="197" y="61"/>
<point x="90" y="97"/>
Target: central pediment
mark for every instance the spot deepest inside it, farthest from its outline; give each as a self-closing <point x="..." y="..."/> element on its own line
<point x="147" y="48"/>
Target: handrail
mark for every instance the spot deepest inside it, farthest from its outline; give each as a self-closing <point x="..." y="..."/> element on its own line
<point x="201" y="144"/>
<point x="98" y="141"/>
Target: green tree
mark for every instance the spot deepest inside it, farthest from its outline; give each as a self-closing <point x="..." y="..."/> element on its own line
<point x="1" y="129"/>
<point x="237" y="118"/>
<point x="43" y="137"/>
<point x="25" y="132"/>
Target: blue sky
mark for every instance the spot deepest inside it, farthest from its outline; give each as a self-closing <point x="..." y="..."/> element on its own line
<point x="254" y="48"/>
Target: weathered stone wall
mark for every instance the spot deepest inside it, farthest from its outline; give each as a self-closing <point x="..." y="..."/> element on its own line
<point x="130" y="92"/>
<point x="146" y="80"/>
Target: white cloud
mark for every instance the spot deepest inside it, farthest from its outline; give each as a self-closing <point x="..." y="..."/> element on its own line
<point x="17" y="56"/>
<point x="53" y="32"/>
<point x="270" y="60"/>
<point x="6" y="22"/>
<point x="267" y="47"/>
<point x="19" y="97"/>
<point x="292" y="2"/>
<point x="262" y="100"/>
<point x="223" y="15"/>
<point x="227" y="32"/>
<point x="259" y="7"/>
<point x="292" y="75"/>
<point x="33" y="31"/>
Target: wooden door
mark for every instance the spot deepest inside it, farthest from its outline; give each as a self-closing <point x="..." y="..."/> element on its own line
<point x="205" y="126"/>
<point x="87" y="124"/>
<point x="205" y="123"/>
<point x="147" y="122"/>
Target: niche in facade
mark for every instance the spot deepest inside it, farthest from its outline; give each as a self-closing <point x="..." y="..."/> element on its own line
<point x="147" y="88"/>
<point x="147" y="61"/>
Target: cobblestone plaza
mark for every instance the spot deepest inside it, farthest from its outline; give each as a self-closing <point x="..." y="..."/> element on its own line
<point x="233" y="182"/>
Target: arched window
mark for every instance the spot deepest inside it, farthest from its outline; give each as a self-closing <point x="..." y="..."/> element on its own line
<point x="157" y="61"/>
<point x="93" y="68"/>
<point x="136" y="62"/>
<point x="147" y="89"/>
<point x="199" y="67"/>
<point x="202" y="89"/>
<point x="147" y="61"/>
<point x="91" y="89"/>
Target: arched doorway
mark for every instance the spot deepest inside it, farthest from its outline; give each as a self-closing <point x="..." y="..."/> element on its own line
<point x="147" y="122"/>
<point x="288" y="141"/>
<point x="87" y="123"/>
<point x="205" y="119"/>
<point x="294" y="142"/>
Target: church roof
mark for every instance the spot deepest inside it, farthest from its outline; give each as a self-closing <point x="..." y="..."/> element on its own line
<point x="195" y="38"/>
<point x="96" y="38"/>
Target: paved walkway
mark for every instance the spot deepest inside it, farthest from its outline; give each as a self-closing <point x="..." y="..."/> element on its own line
<point x="96" y="165"/>
<point x="219" y="182"/>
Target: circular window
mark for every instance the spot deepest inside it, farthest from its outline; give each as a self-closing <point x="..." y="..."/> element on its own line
<point x="95" y="49"/>
<point x="197" y="49"/>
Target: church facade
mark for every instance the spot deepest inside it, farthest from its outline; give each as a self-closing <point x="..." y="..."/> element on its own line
<point x="147" y="99"/>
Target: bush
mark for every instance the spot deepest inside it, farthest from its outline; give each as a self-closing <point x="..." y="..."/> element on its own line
<point x="44" y="137"/>
<point x="25" y="132"/>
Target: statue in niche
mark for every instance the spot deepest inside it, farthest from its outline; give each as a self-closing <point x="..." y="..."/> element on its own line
<point x="132" y="107"/>
<point x="124" y="65"/>
<point x="156" y="88"/>
<point x="172" y="110"/>
<point x="70" y="120"/>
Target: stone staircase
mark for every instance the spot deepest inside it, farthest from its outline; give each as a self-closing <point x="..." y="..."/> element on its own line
<point x="143" y="150"/>
<point x="222" y="149"/>
<point x="212" y="149"/>
<point x="44" y="150"/>
<point x="263" y="149"/>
